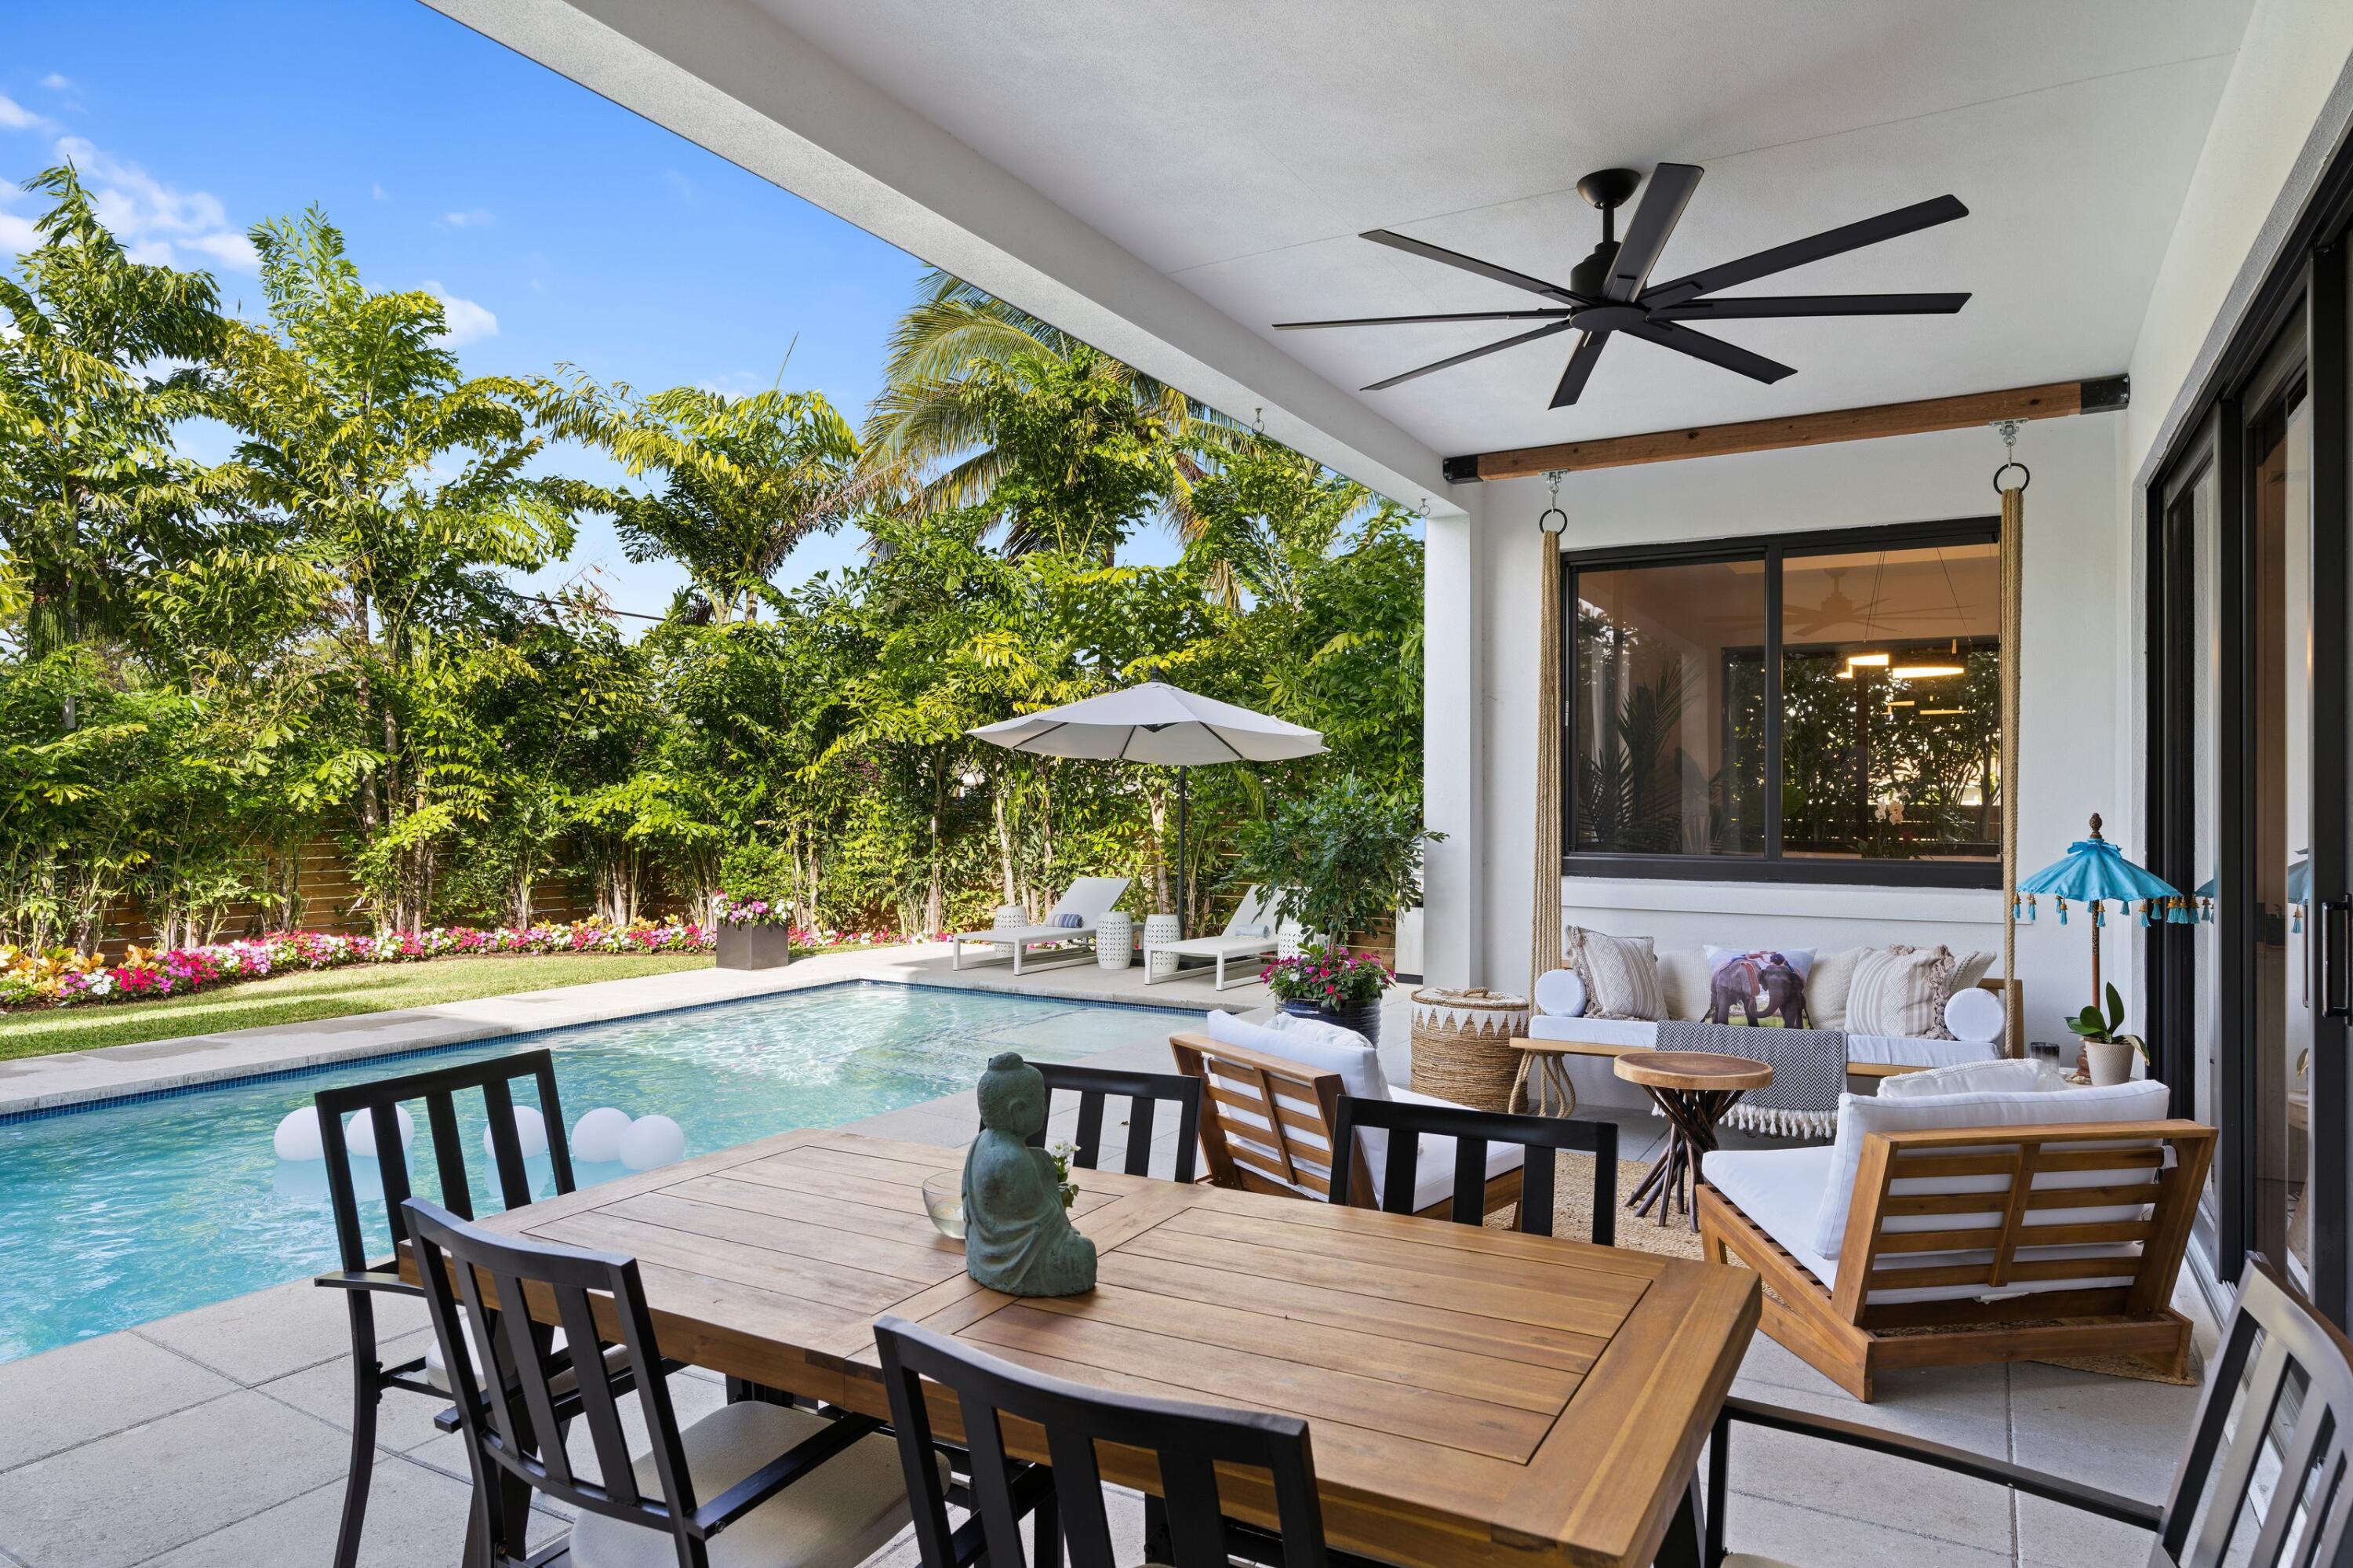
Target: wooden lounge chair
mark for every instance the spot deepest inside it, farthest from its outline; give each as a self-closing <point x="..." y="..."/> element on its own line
<point x="1068" y="924"/>
<point x="1267" y="1126"/>
<point x="1968" y="1244"/>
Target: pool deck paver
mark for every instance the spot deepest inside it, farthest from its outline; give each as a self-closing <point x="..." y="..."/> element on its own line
<point x="217" y="1436"/>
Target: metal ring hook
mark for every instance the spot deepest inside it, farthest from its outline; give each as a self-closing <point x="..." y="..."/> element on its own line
<point x="2009" y="428"/>
<point x="1543" y="518"/>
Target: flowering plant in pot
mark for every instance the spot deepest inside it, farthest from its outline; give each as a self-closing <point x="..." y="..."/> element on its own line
<point x="754" y="933"/>
<point x="1327" y="982"/>
<point x="2107" y="1051"/>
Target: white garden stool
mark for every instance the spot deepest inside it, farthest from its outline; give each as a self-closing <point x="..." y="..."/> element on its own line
<point x="1008" y="918"/>
<point x="1159" y="963"/>
<point x="1115" y="941"/>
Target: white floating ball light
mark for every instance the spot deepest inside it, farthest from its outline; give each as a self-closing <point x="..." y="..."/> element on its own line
<point x="596" y="1137"/>
<point x="652" y="1140"/>
<point x="359" y="1133"/>
<point x="531" y="1133"/>
<point x="297" y="1137"/>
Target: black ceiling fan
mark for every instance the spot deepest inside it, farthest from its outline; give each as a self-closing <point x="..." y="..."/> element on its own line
<point x="1611" y="291"/>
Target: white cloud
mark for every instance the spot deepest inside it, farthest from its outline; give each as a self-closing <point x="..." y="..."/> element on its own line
<point x="56" y="81"/>
<point x="156" y="221"/>
<point x="377" y="190"/>
<point x="472" y="218"/>
<point x="17" y="235"/>
<point x="468" y="321"/>
<point x="14" y="116"/>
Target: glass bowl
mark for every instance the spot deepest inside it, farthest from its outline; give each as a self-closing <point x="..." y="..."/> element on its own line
<point x="944" y="1201"/>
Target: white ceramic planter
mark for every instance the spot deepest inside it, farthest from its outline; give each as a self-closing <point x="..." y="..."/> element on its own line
<point x="1159" y="965"/>
<point x="2108" y="1061"/>
<point x="1115" y="941"/>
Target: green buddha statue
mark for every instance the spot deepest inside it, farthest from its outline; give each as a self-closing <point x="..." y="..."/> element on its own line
<point x="1018" y="1237"/>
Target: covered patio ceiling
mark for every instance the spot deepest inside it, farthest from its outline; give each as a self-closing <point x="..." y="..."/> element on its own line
<point x="1169" y="181"/>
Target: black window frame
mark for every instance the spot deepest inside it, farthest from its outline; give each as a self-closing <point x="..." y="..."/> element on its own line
<point x="1769" y="866"/>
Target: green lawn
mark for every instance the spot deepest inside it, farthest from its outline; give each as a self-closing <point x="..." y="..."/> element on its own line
<point x="310" y="995"/>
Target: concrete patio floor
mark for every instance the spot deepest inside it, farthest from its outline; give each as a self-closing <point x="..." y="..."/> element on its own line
<point x="219" y="1437"/>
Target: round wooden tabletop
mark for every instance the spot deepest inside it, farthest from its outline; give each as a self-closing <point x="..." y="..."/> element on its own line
<point x="1692" y="1070"/>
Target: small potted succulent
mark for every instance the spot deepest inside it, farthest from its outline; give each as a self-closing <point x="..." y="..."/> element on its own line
<point x="1328" y="983"/>
<point x="754" y="933"/>
<point x="2107" y="1051"/>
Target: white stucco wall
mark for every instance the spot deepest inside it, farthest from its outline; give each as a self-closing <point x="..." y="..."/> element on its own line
<point x="2283" y="111"/>
<point x="2080" y="644"/>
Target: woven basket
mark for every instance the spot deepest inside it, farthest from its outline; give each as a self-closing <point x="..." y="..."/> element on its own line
<point x="1463" y="1045"/>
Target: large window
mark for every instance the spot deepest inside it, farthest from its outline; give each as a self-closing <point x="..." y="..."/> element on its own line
<point x="1824" y="707"/>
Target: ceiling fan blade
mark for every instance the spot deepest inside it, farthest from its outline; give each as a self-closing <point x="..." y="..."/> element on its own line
<point x="1761" y="306"/>
<point x="1580" y="369"/>
<point x="1452" y="359"/>
<point x="1797" y="252"/>
<point x="1430" y="252"/>
<point x="1714" y="350"/>
<point x="1663" y="200"/>
<point x="1454" y="316"/>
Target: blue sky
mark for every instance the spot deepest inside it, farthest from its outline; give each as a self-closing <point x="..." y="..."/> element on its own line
<point x="559" y="226"/>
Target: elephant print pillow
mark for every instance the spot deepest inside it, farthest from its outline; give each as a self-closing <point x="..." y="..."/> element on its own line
<point x="1760" y="984"/>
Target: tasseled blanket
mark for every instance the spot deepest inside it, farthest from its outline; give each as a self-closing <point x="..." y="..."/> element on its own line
<point x="1808" y="1073"/>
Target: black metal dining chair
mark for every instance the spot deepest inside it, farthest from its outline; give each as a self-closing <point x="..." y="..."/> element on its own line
<point x="1407" y="1123"/>
<point x="1094" y="1086"/>
<point x="2264" y="1483"/>
<point x="783" y="1485"/>
<point x="361" y="1280"/>
<point x="1188" y="1442"/>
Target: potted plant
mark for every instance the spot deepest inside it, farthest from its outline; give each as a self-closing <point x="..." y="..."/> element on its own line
<point x="1329" y="982"/>
<point x="753" y="934"/>
<point x="2107" y="1051"/>
<point x="1339" y="862"/>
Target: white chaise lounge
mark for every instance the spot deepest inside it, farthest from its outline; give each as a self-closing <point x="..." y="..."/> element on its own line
<point x="1250" y="934"/>
<point x="1070" y="941"/>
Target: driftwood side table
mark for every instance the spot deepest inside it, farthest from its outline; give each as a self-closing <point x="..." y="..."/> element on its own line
<point x="1695" y="1088"/>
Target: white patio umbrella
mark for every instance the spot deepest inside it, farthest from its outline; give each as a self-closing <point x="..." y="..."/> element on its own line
<point x="1155" y="722"/>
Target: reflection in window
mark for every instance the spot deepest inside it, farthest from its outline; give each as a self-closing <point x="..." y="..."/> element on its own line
<point x="1890" y="703"/>
<point x="1884" y="649"/>
<point x="1669" y="684"/>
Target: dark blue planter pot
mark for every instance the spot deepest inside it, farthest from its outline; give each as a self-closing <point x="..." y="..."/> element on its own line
<point x="1364" y="1017"/>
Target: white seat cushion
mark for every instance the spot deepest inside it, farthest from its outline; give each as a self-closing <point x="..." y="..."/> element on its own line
<point x="1860" y="1115"/>
<point x="1589" y="1031"/>
<point x="1433" y="1168"/>
<point x="1778" y="1189"/>
<point x="1914" y="1051"/>
<point x="840" y="1514"/>
<point x="2010" y="1075"/>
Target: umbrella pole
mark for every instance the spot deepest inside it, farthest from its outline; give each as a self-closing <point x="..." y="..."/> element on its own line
<point x="1180" y="874"/>
<point x="2096" y="955"/>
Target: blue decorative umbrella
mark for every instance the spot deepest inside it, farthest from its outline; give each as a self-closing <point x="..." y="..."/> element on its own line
<point x="2092" y="873"/>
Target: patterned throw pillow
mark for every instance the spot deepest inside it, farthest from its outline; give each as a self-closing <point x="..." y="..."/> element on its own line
<point x="1622" y="974"/>
<point x="1758" y="985"/>
<point x="1902" y="992"/>
<point x="1827" y="986"/>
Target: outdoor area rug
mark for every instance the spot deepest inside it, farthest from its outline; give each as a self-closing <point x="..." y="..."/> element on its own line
<point x="1572" y="1216"/>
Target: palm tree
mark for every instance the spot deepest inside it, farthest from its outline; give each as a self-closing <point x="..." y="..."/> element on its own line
<point x="984" y="404"/>
<point x="744" y="480"/>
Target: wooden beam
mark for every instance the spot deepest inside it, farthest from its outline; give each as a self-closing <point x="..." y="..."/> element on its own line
<point x="2045" y="402"/>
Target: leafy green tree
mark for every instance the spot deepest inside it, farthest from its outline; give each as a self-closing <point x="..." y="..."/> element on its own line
<point x="986" y="404"/>
<point x="92" y="495"/>
<point x="376" y="459"/>
<point x="744" y="480"/>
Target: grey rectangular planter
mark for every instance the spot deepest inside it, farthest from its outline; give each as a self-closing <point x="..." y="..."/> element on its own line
<point x="754" y="947"/>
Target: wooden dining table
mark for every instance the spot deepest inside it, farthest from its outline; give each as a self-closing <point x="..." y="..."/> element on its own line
<point x="1474" y="1396"/>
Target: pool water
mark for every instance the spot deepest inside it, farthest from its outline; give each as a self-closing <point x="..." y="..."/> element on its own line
<point x="121" y="1214"/>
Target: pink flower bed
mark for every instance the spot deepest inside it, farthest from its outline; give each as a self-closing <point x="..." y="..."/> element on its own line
<point x="63" y="980"/>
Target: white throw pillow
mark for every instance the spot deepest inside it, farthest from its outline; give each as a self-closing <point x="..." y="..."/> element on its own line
<point x="1560" y="993"/>
<point x="1310" y="1043"/>
<point x="1622" y="974"/>
<point x="1682" y="983"/>
<point x="1860" y="1115"/>
<point x="1973" y="967"/>
<point x="2007" y="1074"/>
<point x="1827" y="987"/>
<point x="1901" y="991"/>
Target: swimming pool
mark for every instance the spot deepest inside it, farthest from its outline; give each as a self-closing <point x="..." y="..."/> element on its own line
<point x="120" y="1214"/>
